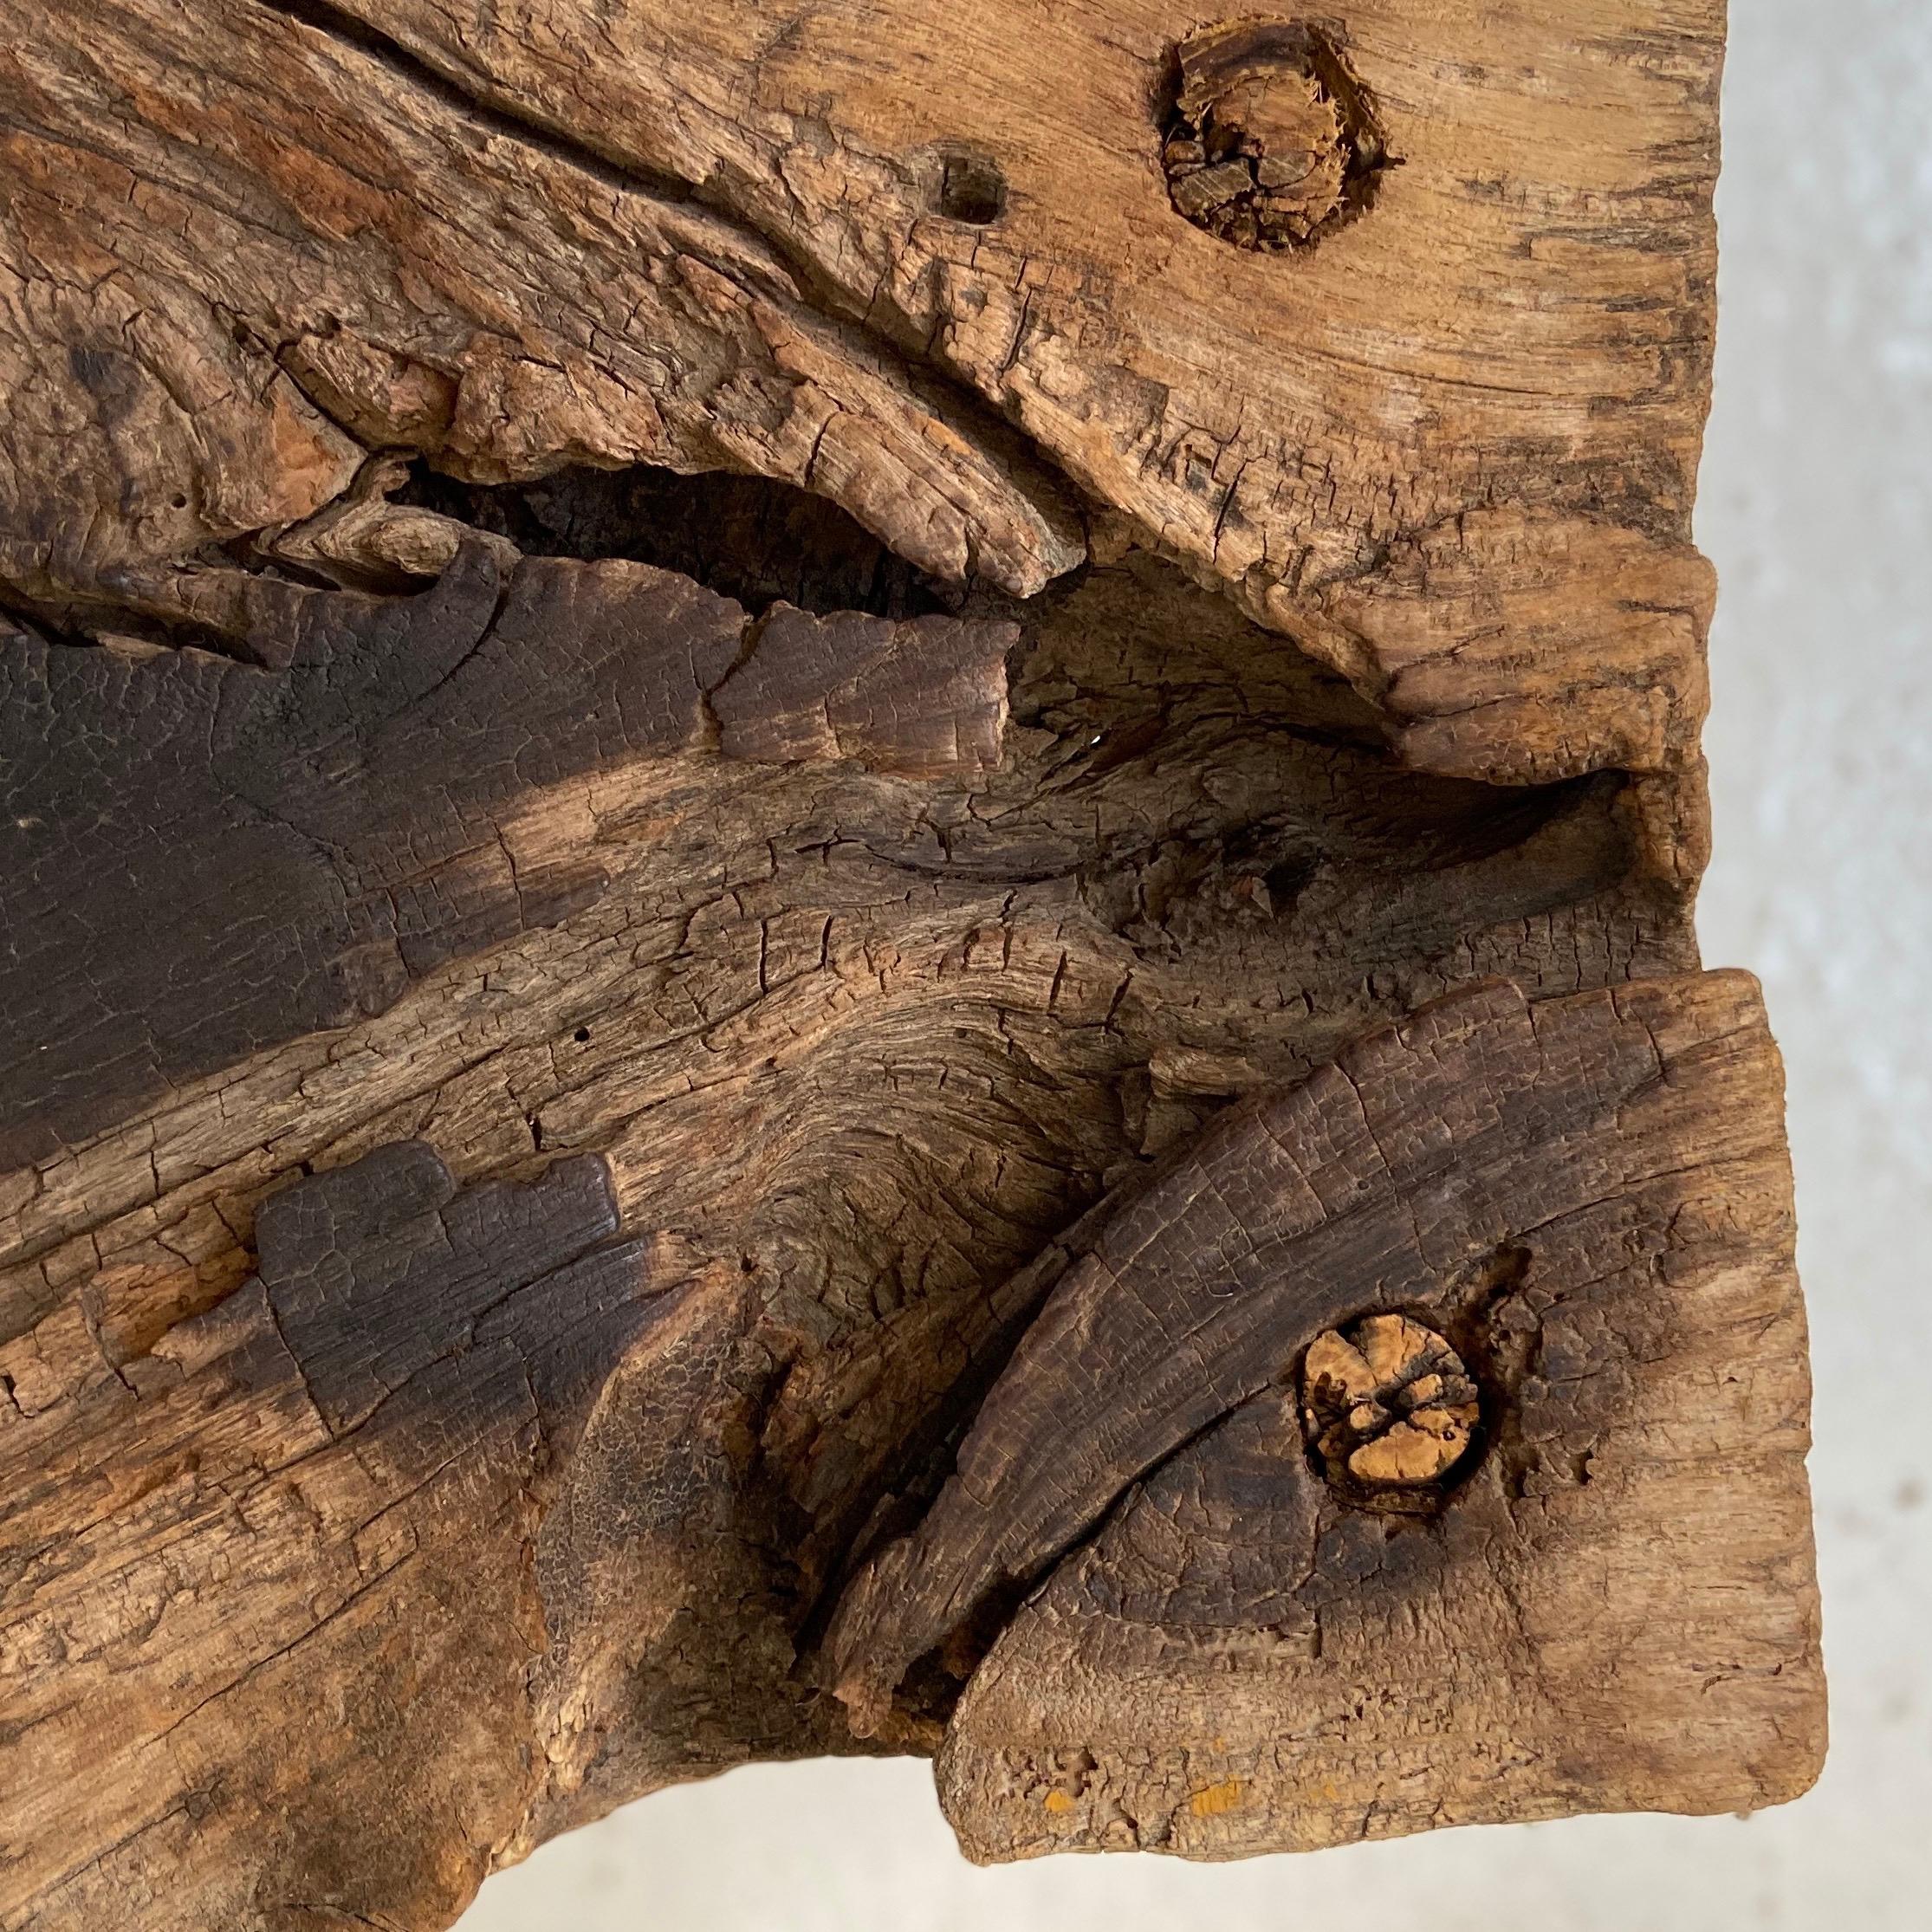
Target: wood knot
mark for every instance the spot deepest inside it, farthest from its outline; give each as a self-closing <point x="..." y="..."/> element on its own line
<point x="1272" y="141"/>
<point x="1389" y="1409"/>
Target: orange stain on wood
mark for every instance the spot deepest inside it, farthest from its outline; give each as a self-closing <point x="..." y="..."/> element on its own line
<point x="1215" y="1800"/>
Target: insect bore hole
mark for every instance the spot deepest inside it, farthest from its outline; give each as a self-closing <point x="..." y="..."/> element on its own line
<point x="971" y="190"/>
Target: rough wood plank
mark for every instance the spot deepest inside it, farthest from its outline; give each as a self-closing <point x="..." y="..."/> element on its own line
<point x="303" y="841"/>
<point x="279" y="1669"/>
<point x="692" y="696"/>
<point x="290" y="248"/>
<point x="1312" y="433"/>
<point x="1325" y="436"/>
<point x="1593" y="1608"/>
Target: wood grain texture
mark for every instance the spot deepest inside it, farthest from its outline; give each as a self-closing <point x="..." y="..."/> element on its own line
<point x="1311" y="438"/>
<point x="313" y="833"/>
<point x="757" y="825"/>
<point x="1590" y="1197"/>
<point x="295" y="1624"/>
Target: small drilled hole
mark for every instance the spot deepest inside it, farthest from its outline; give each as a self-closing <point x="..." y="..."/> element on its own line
<point x="971" y="190"/>
<point x="581" y="1034"/>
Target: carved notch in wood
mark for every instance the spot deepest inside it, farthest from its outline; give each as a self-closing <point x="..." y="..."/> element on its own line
<point x="812" y="940"/>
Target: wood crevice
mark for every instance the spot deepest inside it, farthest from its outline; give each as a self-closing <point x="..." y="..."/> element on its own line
<point x="730" y="902"/>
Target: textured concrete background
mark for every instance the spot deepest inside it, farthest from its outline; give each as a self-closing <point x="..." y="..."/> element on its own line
<point x="1817" y="508"/>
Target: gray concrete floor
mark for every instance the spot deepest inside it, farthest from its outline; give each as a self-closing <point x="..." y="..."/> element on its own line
<point x="1817" y="506"/>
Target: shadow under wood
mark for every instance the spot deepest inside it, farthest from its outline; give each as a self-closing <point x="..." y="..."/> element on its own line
<point x="748" y="538"/>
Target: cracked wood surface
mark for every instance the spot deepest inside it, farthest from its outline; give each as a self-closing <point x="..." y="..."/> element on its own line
<point x="316" y="832"/>
<point x="1529" y="410"/>
<point x="697" y="716"/>
<point x="705" y="237"/>
<point x="1590" y="1196"/>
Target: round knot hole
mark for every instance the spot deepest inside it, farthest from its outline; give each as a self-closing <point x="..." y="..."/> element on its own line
<point x="1271" y="142"/>
<point x="1389" y="1409"/>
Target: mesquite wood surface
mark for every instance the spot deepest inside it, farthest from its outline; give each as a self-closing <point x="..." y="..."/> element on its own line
<point x="845" y="876"/>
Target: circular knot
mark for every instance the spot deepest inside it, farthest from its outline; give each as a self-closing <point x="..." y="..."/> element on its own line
<point x="1389" y="1409"/>
<point x="1272" y="141"/>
